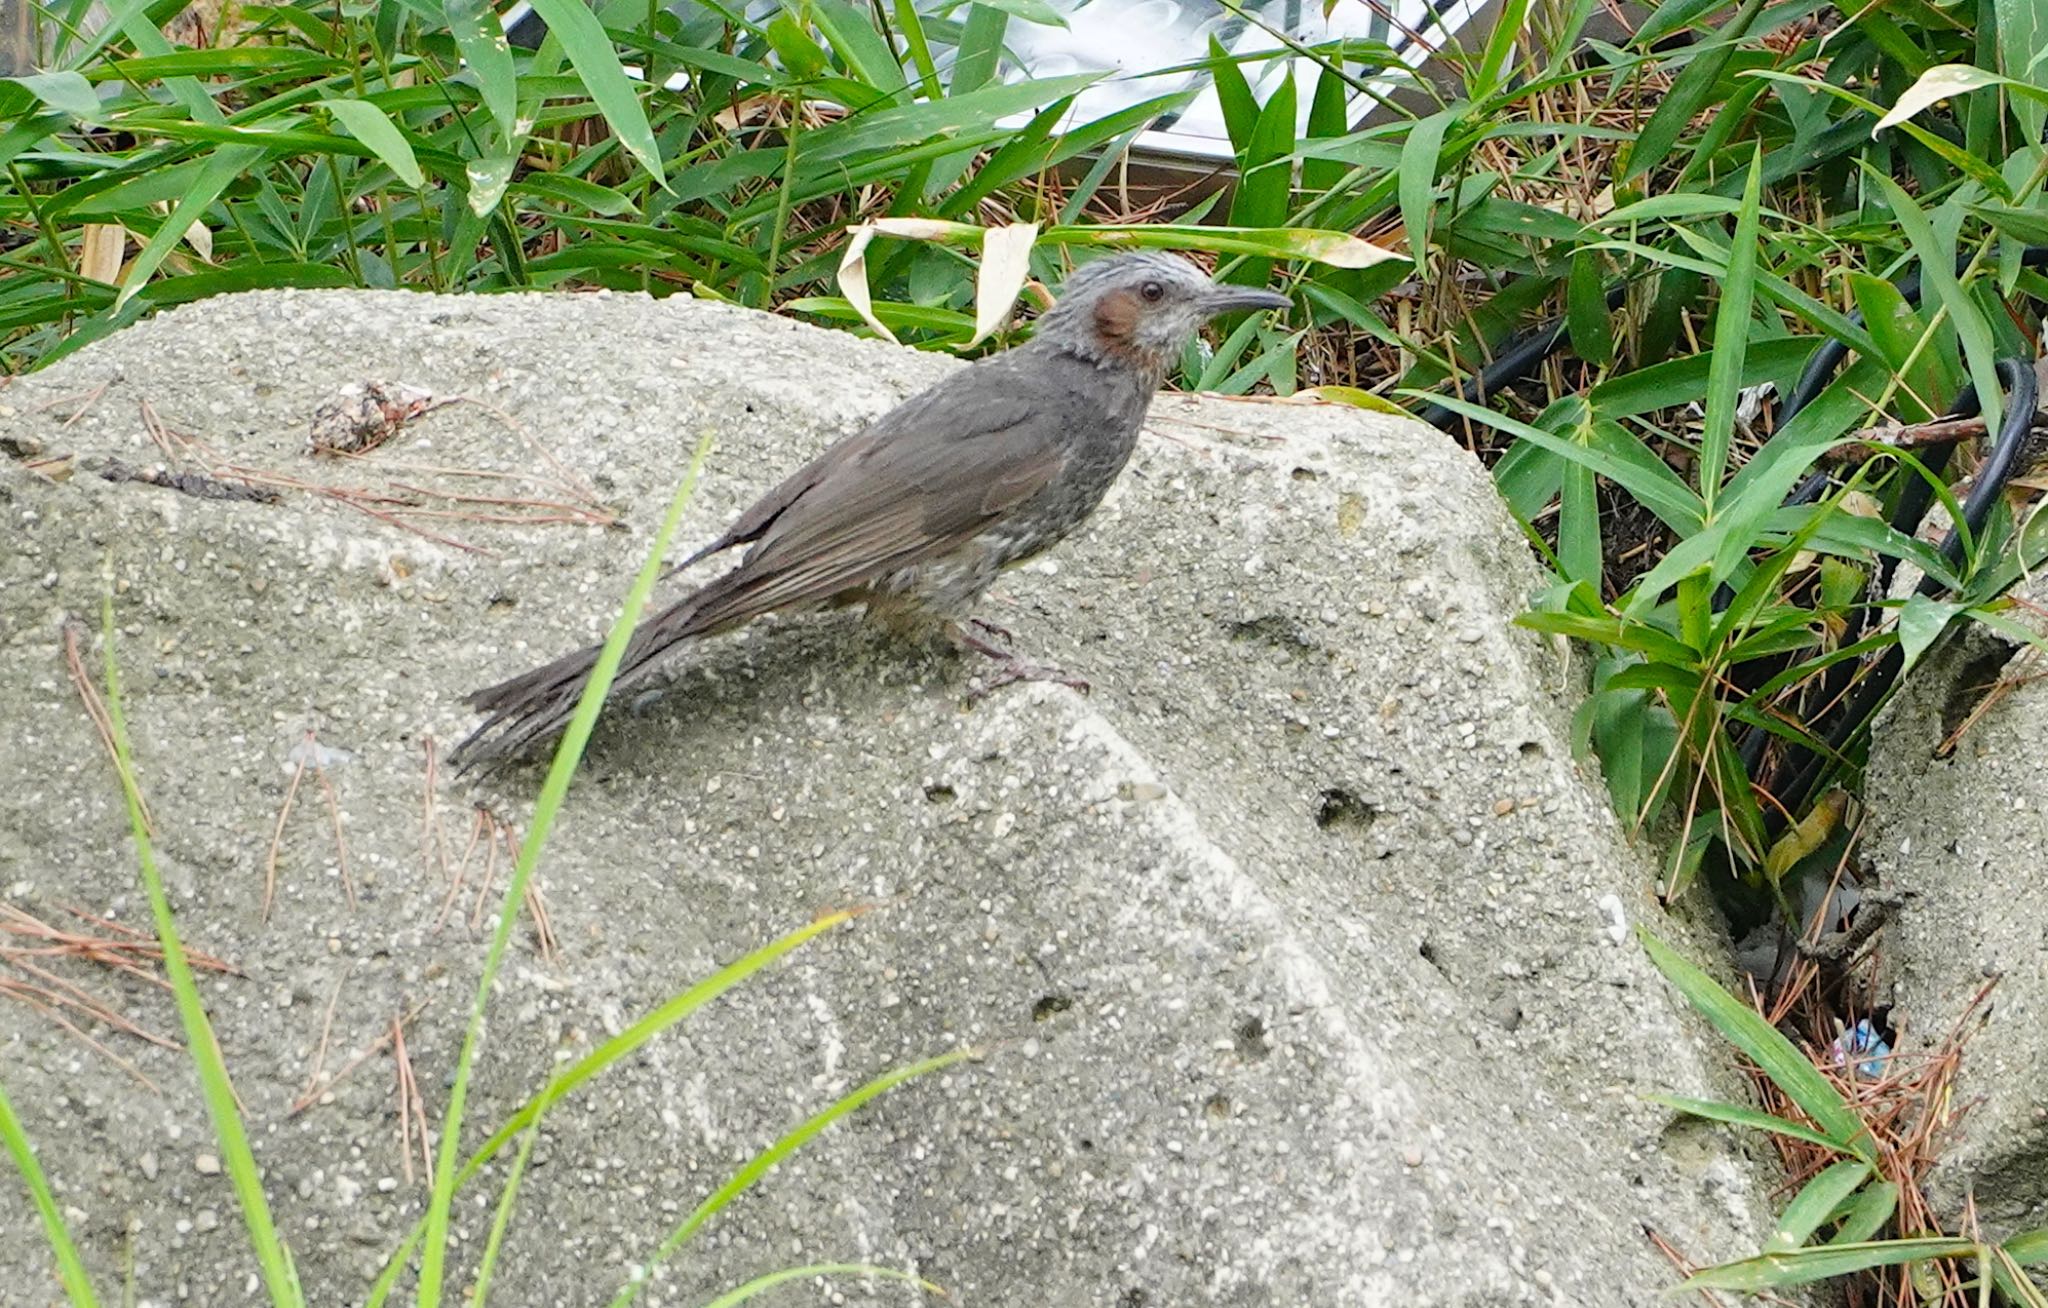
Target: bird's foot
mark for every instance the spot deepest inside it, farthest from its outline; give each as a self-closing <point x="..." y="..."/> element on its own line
<point x="1011" y="669"/>
<point x="1008" y="668"/>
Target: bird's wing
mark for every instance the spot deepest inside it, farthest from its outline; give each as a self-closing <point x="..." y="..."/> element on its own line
<point x="763" y="512"/>
<point x="925" y="479"/>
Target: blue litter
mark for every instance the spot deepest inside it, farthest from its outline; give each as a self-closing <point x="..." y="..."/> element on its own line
<point x="1863" y="1041"/>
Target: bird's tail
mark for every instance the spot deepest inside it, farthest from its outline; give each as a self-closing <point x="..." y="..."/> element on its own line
<point x="535" y="705"/>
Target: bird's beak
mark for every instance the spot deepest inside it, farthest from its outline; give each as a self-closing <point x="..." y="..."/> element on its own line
<point x="1228" y="299"/>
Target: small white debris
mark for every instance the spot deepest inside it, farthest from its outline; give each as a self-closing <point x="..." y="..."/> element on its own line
<point x="1617" y="921"/>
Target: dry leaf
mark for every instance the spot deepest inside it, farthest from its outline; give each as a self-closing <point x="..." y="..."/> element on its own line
<point x="99" y="254"/>
<point x="1005" y="263"/>
<point x="200" y="238"/>
<point x="853" y="279"/>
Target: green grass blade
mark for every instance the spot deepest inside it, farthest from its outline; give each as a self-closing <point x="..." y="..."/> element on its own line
<point x="1731" y="343"/>
<point x="639" y="1033"/>
<point x="1031" y="11"/>
<point x="980" y="48"/>
<point x="502" y="1219"/>
<point x="920" y="49"/>
<point x="758" y="1166"/>
<point x="1675" y="382"/>
<point x="1663" y="494"/>
<point x="1586" y="316"/>
<point x="69" y="1269"/>
<point x="903" y="125"/>
<point x="740" y="1294"/>
<point x="1817" y="1201"/>
<point x="604" y="1056"/>
<point x="1328" y="118"/>
<point x="1938" y="273"/>
<point x="109" y="27"/>
<point x="1776" y="1271"/>
<point x="226" y="164"/>
<point x="1788" y="1069"/>
<point x="1338" y="249"/>
<point x="590" y="50"/>
<point x="149" y="39"/>
<point x="434" y="1250"/>
<point x="1500" y="48"/>
<point x="1420" y="154"/>
<point x="1233" y="96"/>
<point x="2006" y="1275"/>
<point x="236" y="1159"/>
<point x="1735" y="1114"/>
<point x="1266" y="173"/>
<point x="1690" y="92"/>
<point x="374" y="128"/>
<point x="481" y="39"/>
<point x="853" y="37"/>
<point x="66" y="92"/>
<point x="1867" y="1216"/>
<point x="1665" y="19"/>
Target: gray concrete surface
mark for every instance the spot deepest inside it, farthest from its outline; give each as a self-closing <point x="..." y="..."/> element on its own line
<point x="1965" y="836"/>
<point x="1297" y="947"/>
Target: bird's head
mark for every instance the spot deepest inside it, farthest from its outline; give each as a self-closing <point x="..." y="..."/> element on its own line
<point x="1139" y="310"/>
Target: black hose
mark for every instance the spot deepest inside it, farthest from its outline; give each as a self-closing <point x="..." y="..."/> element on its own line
<point x="1527" y="351"/>
<point x="1517" y="360"/>
<point x="2016" y="376"/>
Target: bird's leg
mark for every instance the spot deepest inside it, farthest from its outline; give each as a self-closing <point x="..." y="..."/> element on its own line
<point x="1009" y="668"/>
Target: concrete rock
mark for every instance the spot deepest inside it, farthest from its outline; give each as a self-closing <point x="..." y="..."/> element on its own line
<point x="1965" y="836"/>
<point x="1298" y="949"/>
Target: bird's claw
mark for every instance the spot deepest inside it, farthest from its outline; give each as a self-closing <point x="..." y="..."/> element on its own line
<point x="1011" y="670"/>
<point x="992" y="631"/>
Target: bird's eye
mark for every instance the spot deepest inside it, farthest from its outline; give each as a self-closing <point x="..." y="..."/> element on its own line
<point x="1152" y="290"/>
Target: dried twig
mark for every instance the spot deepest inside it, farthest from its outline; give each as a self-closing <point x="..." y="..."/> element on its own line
<point x="398" y="504"/>
<point x="412" y="1111"/>
<point x="314" y="1094"/>
<point x="476" y="830"/>
<point x="126" y="950"/>
<point x="326" y="1028"/>
<point x="277" y="838"/>
<point x="494" y="836"/>
<point x="36" y="998"/>
<point x="348" y="884"/>
<point x="543" y="930"/>
<point x="84" y="407"/>
<point x="96" y="709"/>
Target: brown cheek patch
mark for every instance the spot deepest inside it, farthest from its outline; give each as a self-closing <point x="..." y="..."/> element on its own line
<point x="1116" y="318"/>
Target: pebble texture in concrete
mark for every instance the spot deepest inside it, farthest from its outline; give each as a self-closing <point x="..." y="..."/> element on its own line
<point x="1298" y="950"/>
<point x="1964" y="834"/>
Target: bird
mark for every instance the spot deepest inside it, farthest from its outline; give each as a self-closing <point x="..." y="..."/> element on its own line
<point x="914" y="516"/>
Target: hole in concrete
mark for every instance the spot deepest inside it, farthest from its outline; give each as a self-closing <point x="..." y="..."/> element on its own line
<point x="1305" y="474"/>
<point x="1973" y="682"/>
<point x="1338" y="809"/>
<point x="1050" y="1004"/>
<point x="1250" y="1038"/>
<point x="1217" y="1105"/>
<point x="1533" y="749"/>
<point x="500" y="601"/>
<point x="1430" y="956"/>
<point x="1275" y="629"/>
<point x="1133" y="1298"/>
<point x="940" y="793"/>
